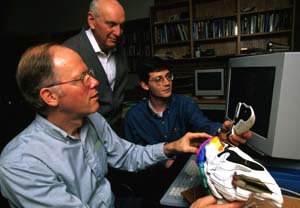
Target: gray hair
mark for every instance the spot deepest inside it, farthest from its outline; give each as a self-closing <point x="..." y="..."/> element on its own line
<point x="94" y="7"/>
<point x="33" y="73"/>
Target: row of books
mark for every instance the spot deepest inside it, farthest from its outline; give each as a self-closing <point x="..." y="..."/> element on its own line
<point x="266" y="22"/>
<point x="215" y="28"/>
<point x="138" y="43"/>
<point x="167" y="33"/>
<point x="250" y="24"/>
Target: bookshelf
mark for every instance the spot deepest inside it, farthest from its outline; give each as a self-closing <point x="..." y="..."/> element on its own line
<point x="137" y="41"/>
<point x="198" y="28"/>
<point x="170" y="30"/>
<point x="268" y="21"/>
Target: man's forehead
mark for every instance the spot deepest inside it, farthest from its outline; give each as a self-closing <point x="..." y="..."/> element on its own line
<point x="160" y="71"/>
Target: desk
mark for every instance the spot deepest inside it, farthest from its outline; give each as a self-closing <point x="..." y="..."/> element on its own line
<point x="194" y="192"/>
<point x="212" y="106"/>
<point x="214" y="109"/>
<point x="214" y="101"/>
<point x="288" y="201"/>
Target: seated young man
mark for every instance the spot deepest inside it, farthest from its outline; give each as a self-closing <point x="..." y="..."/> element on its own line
<point x="164" y="117"/>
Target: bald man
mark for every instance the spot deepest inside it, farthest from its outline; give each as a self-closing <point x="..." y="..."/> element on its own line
<point x="99" y="45"/>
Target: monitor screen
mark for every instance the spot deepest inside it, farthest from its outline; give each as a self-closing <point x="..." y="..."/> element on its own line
<point x="270" y="84"/>
<point x="252" y="85"/>
<point x="209" y="82"/>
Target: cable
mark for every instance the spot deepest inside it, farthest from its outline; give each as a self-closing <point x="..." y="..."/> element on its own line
<point x="290" y="191"/>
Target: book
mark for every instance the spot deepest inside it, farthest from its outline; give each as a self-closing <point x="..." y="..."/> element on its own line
<point x="180" y="31"/>
<point x="184" y="32"/>
<point x="278" y="50"/>
<point x="277" y="45"/>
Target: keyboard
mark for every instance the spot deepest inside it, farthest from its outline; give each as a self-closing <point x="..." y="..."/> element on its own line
<point x="187" y="178"/>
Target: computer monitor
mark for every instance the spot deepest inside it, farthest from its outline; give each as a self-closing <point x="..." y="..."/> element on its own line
<point x="270" y="83"/>
<point x="209" y="83"/>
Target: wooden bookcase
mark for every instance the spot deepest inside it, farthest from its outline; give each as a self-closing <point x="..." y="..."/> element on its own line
<point x="180" y="28"/>
<point x="137" y="41"/>
<point x="170" y="30"/>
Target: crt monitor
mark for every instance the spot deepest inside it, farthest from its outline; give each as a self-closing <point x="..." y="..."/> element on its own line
<point x="209" y="83"/>
<point x="270" y="83"/>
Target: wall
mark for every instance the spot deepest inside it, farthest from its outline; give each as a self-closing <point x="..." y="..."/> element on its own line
<point x="26" y="23"/>
<point x="35" y="16"/>
<point x="137" y="9"/>
<point x="23" y="24"/>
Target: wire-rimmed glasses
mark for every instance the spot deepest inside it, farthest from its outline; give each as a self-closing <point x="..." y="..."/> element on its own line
<point x="159" y="79"/>
<point x="84" y="78"/>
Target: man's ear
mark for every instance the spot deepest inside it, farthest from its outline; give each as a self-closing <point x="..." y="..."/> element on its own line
<point x="144" y="86"/>
<point x="49" y="97"/>
<point x="91" y="20"/>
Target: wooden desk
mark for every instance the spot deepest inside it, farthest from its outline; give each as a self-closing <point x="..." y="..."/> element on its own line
<point x="210" y="104"/>
<point x="288" y="202"/>
<point x="209" y="101"/>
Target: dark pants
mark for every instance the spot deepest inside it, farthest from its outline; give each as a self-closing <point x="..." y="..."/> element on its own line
<point x="146" y="187"/>
<point x="126" y="197"/>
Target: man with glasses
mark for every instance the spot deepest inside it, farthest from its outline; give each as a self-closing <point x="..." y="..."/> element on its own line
<point x="164" y="117"/>
<point x="61" y="159"/>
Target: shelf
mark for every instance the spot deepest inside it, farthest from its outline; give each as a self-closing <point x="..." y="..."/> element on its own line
<point x="280" y="32"/>
<point x="267" y="10"/>
<point x="137" y="41"/>
<point x="215" y="17"/>
<point x="172" y="44"/>
<point x="228" y="38"/>
<point x="210" y="101"/>
<point x="222" y="26"/>
<point x="212" y="106"/>
<point x="170" y="22"/>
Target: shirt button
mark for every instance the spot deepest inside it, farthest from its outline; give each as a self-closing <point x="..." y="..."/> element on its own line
<point x="68" y="141"/>
<point x="165" y="136"/>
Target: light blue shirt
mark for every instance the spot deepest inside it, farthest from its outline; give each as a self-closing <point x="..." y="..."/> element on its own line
<point x="43" y="166"/>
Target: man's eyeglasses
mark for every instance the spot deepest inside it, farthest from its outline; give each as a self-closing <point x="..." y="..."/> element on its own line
<point x="159" y="79"/>
<point x="85" y="78"/>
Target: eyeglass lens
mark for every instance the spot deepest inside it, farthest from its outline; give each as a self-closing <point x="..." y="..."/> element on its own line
<point x="159" y="79"/>
<point x="87" y="77"/>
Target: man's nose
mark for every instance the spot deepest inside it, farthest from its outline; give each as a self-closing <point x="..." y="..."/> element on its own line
<point x="118" y="30"/>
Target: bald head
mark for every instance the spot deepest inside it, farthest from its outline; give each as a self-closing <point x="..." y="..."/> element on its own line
<point x="102" y="7"/>
<point x="38" y="68"/>
<point x="106" y="19"/>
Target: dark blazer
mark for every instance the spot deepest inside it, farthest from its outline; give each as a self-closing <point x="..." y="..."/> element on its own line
<point x="110" y="101"/>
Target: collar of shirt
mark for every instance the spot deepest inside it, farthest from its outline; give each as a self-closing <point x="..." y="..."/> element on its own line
<point x="56" y="132"/>
<point x="95" y="45"/>
<point x="158" y="114"/>
<point x="107" y="60"/>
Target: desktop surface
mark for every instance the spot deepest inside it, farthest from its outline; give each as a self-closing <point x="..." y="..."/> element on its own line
<point x="187" y="178"/>
<point x="286" y="176"/>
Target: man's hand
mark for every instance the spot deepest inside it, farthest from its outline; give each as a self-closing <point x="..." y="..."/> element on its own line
<point x="233" y="139"/>
<point x="169" y="163"/>
<point x="189" y="143"/>
<point x="211" y="202"/>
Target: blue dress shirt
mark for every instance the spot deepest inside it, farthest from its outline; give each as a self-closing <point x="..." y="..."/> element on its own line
<point x="43" y="166"/>
<point x="182" y="115"/>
